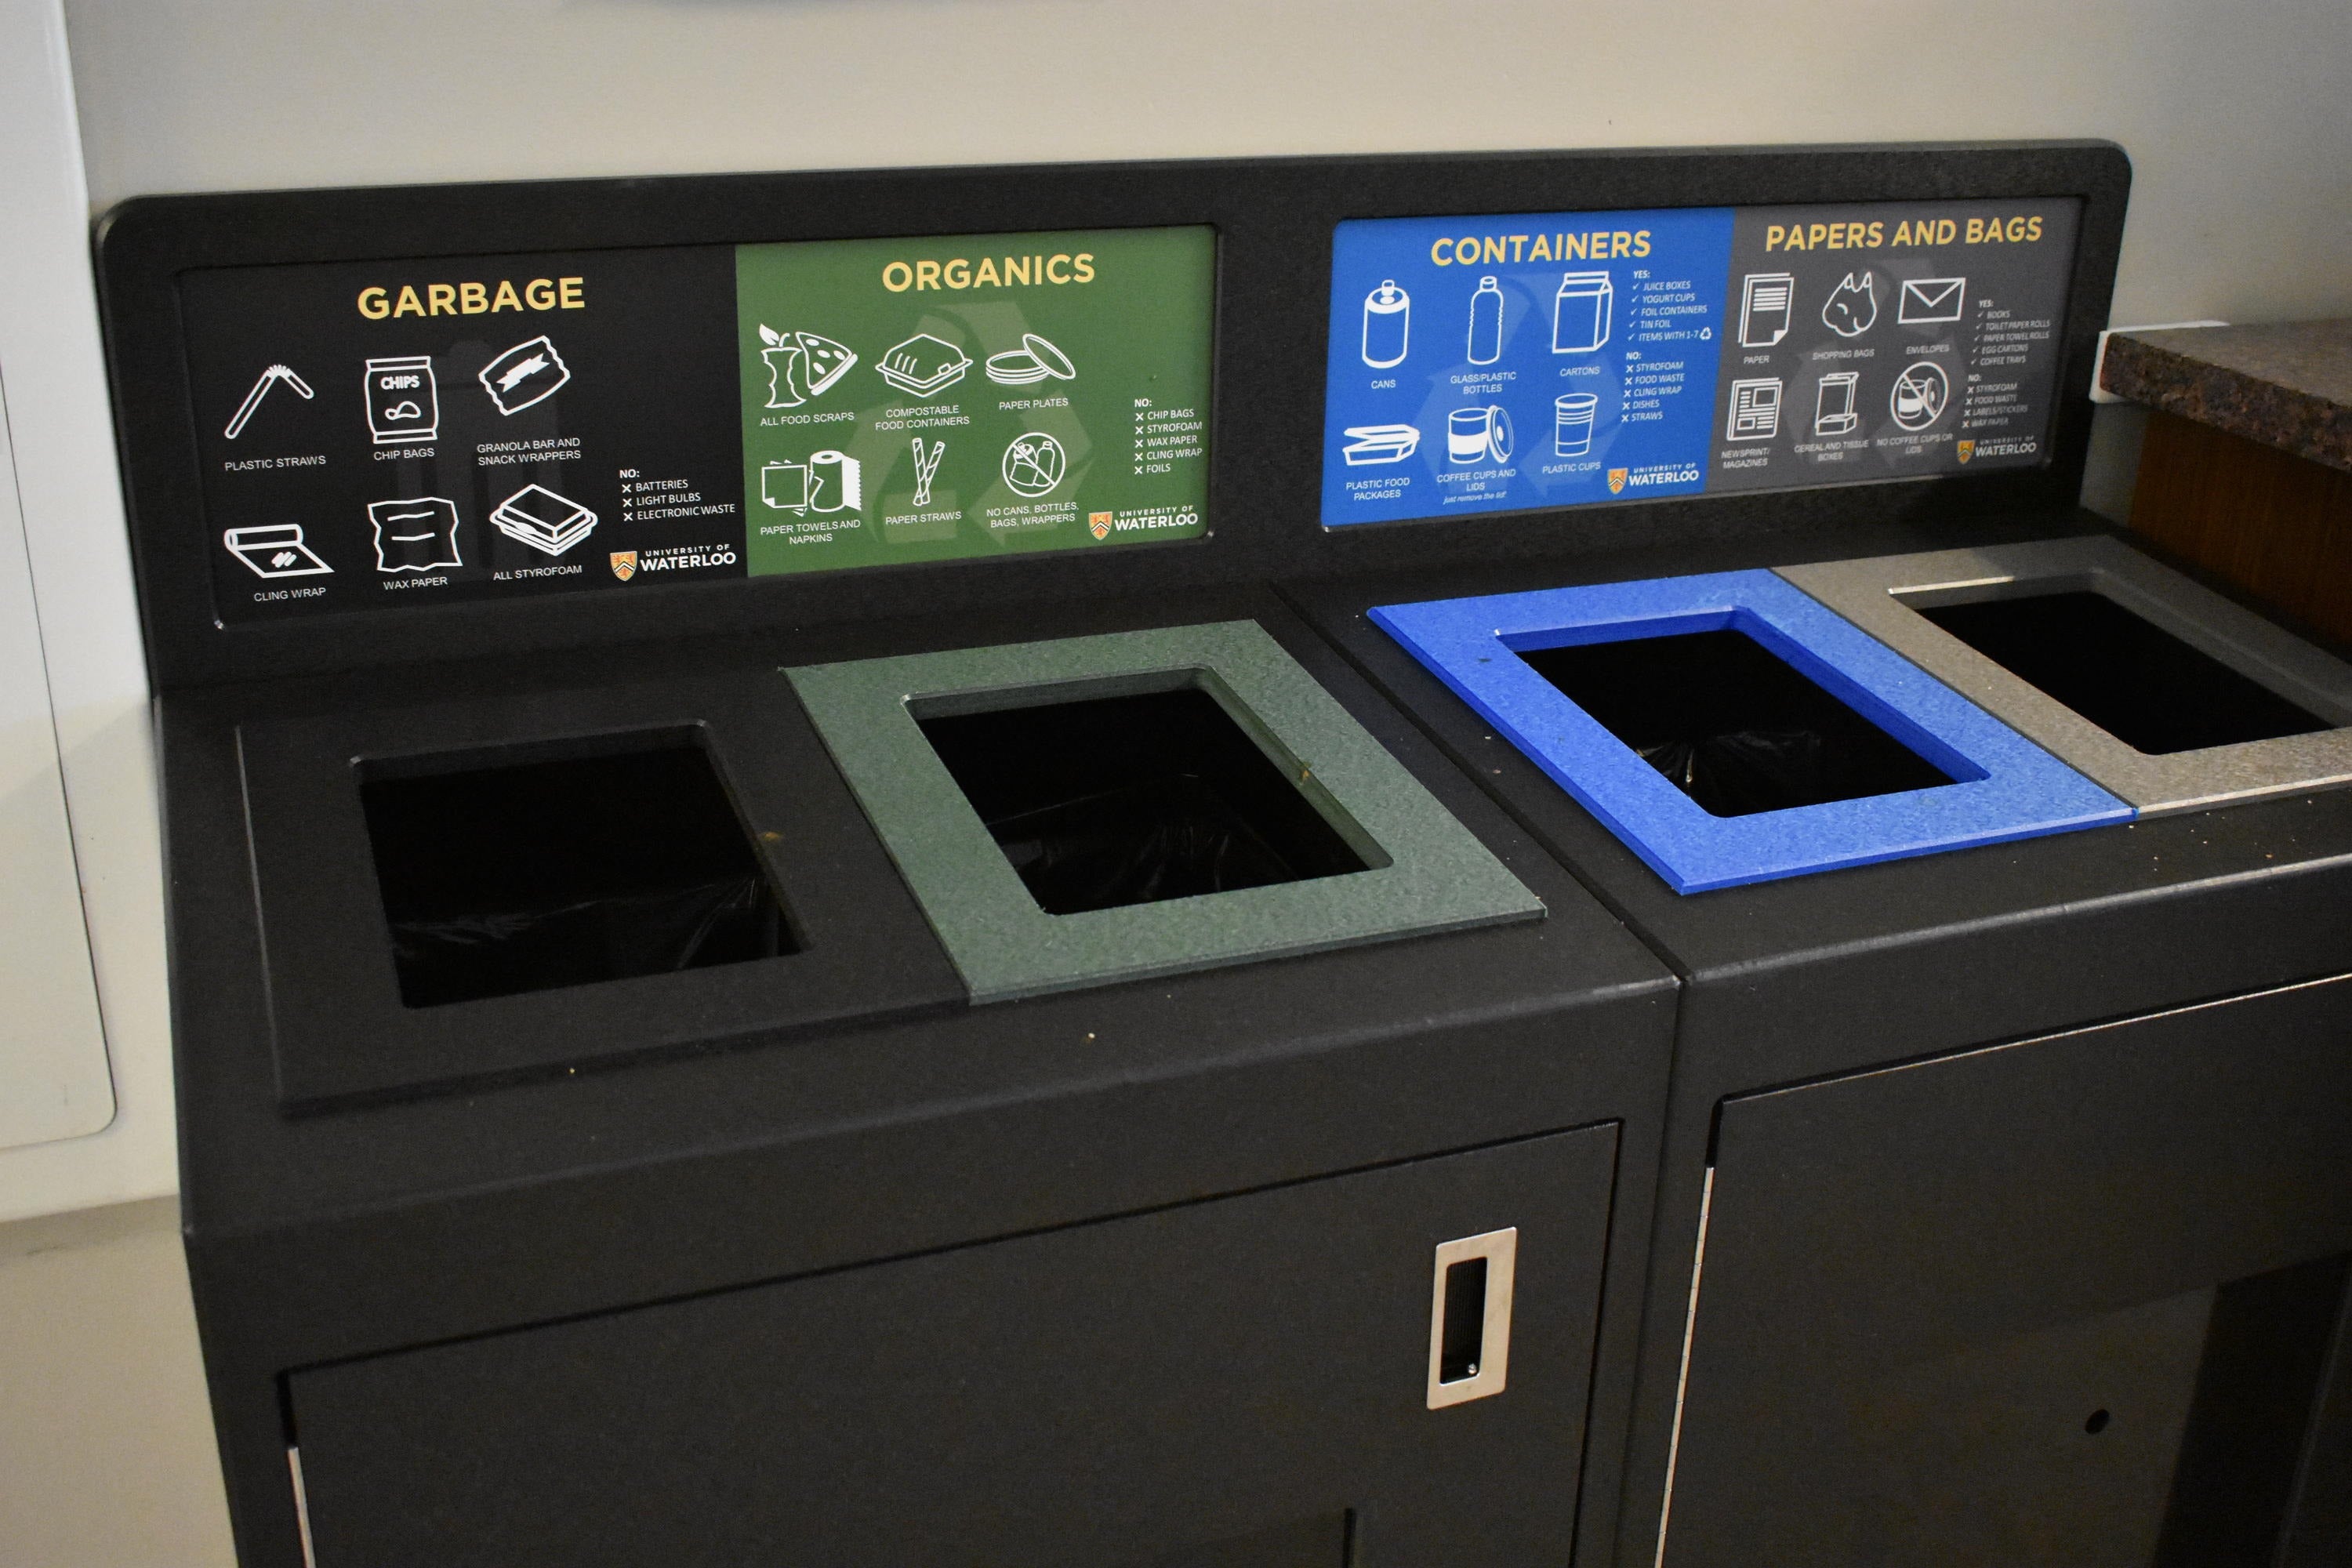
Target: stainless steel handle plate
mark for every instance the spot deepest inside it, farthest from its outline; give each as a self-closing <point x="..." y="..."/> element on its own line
<point x="1470" y="1317"/>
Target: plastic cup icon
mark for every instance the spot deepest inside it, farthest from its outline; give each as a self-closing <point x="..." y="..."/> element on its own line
<point x="1573" y="417"/>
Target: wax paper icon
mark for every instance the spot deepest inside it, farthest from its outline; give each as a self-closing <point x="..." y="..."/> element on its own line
<point x="419" y="535"/>
<point x="525" y="374"/>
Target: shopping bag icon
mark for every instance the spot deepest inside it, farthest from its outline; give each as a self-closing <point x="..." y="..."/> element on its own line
<point x="1932" y="300"/>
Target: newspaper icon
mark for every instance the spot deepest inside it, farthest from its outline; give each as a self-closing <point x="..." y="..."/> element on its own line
<point x="274" y="551"/>
<point x="1926" y="300"/>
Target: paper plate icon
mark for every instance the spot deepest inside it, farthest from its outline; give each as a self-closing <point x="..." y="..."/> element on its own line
<point x="1035" y="361"/>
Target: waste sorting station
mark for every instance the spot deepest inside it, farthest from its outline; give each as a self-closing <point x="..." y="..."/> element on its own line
<point x="1226" y="865"/>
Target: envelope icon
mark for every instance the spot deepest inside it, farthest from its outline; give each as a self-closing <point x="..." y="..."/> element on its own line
<point x="1932" y="300"/>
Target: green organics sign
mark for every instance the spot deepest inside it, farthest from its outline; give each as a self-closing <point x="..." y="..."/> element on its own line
<point x="937" y="399"/>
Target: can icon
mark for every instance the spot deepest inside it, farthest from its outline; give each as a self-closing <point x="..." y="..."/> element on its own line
<point x="1388" y="324"/>
<point x="1573" y="414"/>
<point x="1580" y="312"/>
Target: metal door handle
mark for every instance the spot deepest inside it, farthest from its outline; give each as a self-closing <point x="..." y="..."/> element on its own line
<point x="1470" y="1317"/>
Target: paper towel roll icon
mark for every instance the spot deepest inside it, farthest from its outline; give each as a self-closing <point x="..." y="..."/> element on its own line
<point x="833" y="482"/>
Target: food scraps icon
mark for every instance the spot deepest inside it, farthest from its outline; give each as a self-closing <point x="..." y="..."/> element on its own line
<point x="801" y="365"/>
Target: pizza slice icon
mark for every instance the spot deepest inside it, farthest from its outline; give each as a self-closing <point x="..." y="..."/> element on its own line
<point x="828" y="361"/>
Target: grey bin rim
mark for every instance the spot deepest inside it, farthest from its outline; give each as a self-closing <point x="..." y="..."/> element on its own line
<point x="1427" y="872"/>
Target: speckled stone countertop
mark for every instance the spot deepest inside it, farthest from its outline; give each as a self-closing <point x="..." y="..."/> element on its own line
<point x="2287" y="386"/>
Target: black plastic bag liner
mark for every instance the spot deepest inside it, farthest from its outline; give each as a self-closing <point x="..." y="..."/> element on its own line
<point x="565" y="872"/>
<point x="1734" y="727"/>
<point x="1113" y="801"/>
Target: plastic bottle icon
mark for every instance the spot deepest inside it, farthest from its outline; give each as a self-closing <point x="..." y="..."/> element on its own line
<point x="1487" y="322"/>
<point x="1388" y="323"/>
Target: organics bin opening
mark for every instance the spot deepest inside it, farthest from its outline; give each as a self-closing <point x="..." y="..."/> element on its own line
<point x="2139" y="683"/>
<point x="1133" y="799"/>
<point x="1730" y="723"/>
<point x="565" y="870"/>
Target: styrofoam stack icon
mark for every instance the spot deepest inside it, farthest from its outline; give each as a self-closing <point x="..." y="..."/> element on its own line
<point x="1487" y="322"/>
<point x="1580" y="311"/>
<point x="1475" y="435"/>
<point x="1388" y="325"/>
<point x="1573" y="415"/>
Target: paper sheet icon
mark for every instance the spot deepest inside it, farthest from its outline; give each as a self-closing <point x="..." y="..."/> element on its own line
<point x="1932" y="300"/>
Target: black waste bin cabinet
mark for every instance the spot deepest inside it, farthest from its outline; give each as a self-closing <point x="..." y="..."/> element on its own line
<point x="2002" y="1218"/>
<point x="591" y="1150"/>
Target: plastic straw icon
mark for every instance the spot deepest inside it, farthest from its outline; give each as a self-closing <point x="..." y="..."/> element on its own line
<point x="270" y="378"/>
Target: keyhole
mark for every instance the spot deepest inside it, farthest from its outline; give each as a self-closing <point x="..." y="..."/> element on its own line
<point x="2095" y="1423"/>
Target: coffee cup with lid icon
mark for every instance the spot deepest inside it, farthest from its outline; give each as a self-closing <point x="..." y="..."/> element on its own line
<point x="1474" y="436"/>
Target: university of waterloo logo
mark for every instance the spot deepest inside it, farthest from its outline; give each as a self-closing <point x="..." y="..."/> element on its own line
<point x="1098" y="524"/>
<point x="624" y="565"/>
<point x="1968" y="450"/>
<point x="1617" y="481"/>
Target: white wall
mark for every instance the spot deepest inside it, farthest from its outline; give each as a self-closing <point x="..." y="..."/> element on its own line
<point x="2235" y="112"/>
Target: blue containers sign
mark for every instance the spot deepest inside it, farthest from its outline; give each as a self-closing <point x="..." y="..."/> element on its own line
<point x="1544" y="360"/>
<point x="1540" y="360"/>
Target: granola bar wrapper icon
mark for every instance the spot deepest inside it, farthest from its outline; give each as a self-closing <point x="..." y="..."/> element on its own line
<point x="526" y="374"/>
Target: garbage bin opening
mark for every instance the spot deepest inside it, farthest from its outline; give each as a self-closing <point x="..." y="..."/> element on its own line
<point x="1729" y="722"/>
<point x="616" y="857"/>
<point x="1133" y="798"/>
<point x="2134" y="679"/>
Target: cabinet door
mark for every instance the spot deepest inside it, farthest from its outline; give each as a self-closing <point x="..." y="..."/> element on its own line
<point x="1240" y="1382"/>
<point x="2061" y="1303"/>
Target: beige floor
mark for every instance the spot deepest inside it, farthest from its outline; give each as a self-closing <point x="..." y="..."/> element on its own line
<point x="106" y="1447"/>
